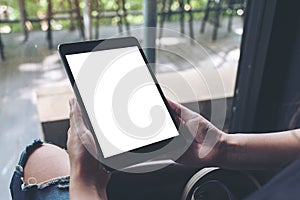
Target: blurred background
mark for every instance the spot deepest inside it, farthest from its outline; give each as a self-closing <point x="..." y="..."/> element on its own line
<point x="191" y="37"/>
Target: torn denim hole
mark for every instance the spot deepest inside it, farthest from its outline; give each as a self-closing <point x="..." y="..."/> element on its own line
<point x="61" y="182"/>
<point x="55" y="189"/>
<point x="19" y="168"/>
<point x="28" y="151"/>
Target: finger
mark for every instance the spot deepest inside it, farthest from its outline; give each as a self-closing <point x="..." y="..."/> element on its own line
<point x="174" y="106"/>
<point x="78" y="126"/>
<point x="89" y="143"/>
<point x="183" y="112"/>
<point x="76" y="120"/>
<point x="179" y="120"/>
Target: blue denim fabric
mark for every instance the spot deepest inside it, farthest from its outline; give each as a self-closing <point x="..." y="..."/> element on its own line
<point x="284" y="185"/>
<point x="54" y="189"/>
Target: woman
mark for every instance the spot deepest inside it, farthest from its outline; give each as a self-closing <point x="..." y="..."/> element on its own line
<point x="46" y="171"/>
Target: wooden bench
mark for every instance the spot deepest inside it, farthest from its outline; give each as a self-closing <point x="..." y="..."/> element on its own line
<point x="53" y="112"/>
<point x="53" y="102"/>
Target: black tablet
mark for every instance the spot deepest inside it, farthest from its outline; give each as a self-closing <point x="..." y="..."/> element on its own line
<point x="121" y="100"/>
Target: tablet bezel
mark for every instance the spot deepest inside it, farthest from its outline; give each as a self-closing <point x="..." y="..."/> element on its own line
<point x="123" y="159"/>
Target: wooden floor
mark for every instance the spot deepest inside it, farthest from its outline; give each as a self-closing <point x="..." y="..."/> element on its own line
<point x="31" y="65"/>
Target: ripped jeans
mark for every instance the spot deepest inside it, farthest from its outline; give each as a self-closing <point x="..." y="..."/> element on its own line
<point x="54" y="189"/>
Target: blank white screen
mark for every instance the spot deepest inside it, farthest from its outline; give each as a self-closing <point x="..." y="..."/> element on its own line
<point x="109" y="67"/>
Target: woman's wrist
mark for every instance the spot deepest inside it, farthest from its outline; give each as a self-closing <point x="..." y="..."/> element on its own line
<point x="78" y="174"/>
<point x="231" y="151"/>
<point x="81" y="186"/>
<point x="222" y="148"/>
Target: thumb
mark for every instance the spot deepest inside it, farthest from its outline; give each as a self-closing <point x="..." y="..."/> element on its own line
<point x="76" y="120"/>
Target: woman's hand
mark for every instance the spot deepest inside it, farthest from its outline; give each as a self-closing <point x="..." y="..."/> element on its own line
<point x="207" y="148"/>
<point x="88" y="178"/>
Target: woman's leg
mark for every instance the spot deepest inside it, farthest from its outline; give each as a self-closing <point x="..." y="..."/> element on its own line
<point x="41" y="173"/>
<point x="46" y="163"/>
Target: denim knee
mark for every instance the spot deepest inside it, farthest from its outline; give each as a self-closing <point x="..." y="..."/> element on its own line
<point x="57" y="188"/>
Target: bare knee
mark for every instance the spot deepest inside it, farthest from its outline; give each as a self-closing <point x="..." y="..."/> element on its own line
<point x="46" y="163"/>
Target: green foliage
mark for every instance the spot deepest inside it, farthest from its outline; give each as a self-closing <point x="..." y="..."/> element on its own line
<point x="38" y="8"/>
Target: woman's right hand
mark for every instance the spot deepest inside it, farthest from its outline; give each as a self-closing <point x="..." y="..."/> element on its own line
<point x="207" y="148"/>
<point x="88" y="177"/>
